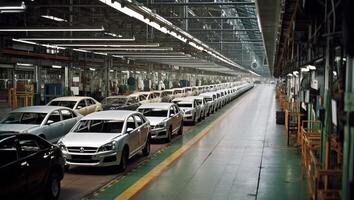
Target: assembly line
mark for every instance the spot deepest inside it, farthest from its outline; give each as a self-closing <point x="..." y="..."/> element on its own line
<point x="91" y="134"/>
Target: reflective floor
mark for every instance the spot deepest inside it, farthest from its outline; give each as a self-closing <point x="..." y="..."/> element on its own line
<point x="241" y="154"/>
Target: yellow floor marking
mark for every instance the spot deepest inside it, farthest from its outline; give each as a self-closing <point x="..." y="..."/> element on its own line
<point x="155" y="172"/>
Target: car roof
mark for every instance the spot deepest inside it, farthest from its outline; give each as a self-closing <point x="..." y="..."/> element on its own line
<point x="39" y="109"/>
<point x="183" y="99"/>
<point x="71" y="98"/>
<point x="157" y="105"/>
<point x="117" y="96"/>
<point x="109" y="115"/>
<point x="185" y="102"/>
<point x="139" y="93"/>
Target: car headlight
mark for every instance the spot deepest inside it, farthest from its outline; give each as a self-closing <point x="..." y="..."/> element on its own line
<point x="161" y="125"/>
<point x="62" y="146"/>
<point x="107" y="147"/>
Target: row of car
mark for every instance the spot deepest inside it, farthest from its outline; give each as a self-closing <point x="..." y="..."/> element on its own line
<point x="107" y="138"/>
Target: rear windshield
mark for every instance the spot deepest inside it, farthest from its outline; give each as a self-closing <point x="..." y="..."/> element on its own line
<point x="68" y="104"/>
<point x="24" y="118"/>
<point x="185" y="105"/>
<point x="153" y="112"/>
<point x="99" y="126"/>
<point x="114" y="101"/>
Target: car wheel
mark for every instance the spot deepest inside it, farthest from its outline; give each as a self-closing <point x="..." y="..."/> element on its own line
<point x="124" y="160"/>
<point x="180" y="130"/>
<point x="169" y="135"/>
<point x="52" y="190"/>
<point x="146" y="150"/>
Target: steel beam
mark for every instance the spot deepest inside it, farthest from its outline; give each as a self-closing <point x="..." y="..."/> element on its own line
<point x="203" y="4"/>
<point x="232" y="30"/>
<point x="211" y="18"/>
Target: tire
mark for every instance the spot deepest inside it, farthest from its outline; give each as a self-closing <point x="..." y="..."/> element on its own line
<point x="124" y="160"/>
<point x="169" y="135"/>
<point x="146" y="149"/>
<point x="180" y="130"/>
<point x="52" y="189"/>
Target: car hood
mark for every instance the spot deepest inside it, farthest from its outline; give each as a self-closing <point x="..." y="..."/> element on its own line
<point x="20" y="128"/>
<point x="88" y="139"/>
<point x="155" y="120"/>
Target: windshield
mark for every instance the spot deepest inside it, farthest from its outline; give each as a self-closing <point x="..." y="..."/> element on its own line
<point x="24" y="118"/>
<point x="68" y="104"/>
<point x="114" y="101"/>
<point x="153" y="112"/>
<point x="168" y="92"/>
<point x="208" y="99"/>
<point x="99" y="126"/>
<point x="185" y="105"/>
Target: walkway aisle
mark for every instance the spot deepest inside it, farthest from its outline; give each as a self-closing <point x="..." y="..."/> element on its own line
<point x="225" y="163"/>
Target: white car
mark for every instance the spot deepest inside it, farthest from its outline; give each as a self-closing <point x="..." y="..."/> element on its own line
<point x="107" y="138"/>
<point x="205" y="106"/>
<point x="211" y="98"/>
<point x="191" y="109"/>
<point x="83" y="105"/>
<point x="166" y="119"/>
<point x="147" y="97"/>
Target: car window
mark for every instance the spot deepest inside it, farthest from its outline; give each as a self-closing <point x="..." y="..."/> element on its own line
<point x="153" y="112"/>
<point x="8" y="151"/>
<point x="142" y="98"/>
<point x="175" y="109"/>
<point x="28" y="147"/>
<point x="131" y="123"/>
<point x="54" y="117"/>
<point x="67" y="114"/>
<point x="99" y="126"/>
<point x="81" y="104"/>
<point x="68" y="104"/>
<point x="132" y="100"/>
<point x="88" y="102"/>
<point x="139" y="120"/>
<point x="172" y="110"/>
<point x="24" y="118"/>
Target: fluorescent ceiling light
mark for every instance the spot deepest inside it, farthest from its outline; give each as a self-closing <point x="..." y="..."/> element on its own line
<point x="56" y="66"/>
<point x="11" y="11"/>
<point x="113" y="34"/>
<point x="54" y="18"/>
<point x="24" y="64"/>
<point x="100" y="53"/>
<point x="92" y="69"/>
<point x="290" y="75"/>
<point x="109" y="45"/>
<point x="111" y="70"/>
<point x="130" y="49"/>
<point x="81" y="50"/>
<point x="37" y="44"/>
<point x="81" y="39"/>
<point x="22" y="6"/>
<point x="51" y="29"/>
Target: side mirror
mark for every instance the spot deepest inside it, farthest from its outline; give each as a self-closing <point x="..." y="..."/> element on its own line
<point x="49" y="122"/>
<point x="171" y="115"/>
<point x="129" y="130"/>
<point x="78" y="107"/>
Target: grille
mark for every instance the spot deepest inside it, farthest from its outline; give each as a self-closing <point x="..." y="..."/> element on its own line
<point x="82" y="159"/>
<point x="86" y="149"/>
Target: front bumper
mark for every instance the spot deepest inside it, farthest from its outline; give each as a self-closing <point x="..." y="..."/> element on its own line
<point x="101" y="159"/>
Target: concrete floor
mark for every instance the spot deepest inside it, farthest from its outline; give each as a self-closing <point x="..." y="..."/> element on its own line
<point x="244" y="156"/>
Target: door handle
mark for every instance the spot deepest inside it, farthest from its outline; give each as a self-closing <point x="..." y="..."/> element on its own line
<point x="24" y="164"/>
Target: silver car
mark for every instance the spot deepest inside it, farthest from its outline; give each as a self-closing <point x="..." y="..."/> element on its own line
<point x="191" y="109"/>
<point x="48" y="122"/>
<point x="107" y="138"/>
<point x="166" y="119"/>
<point x="83" y="105"/>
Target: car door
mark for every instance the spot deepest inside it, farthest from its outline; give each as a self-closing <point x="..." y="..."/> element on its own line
<point x="178" y="116"/>
<point x="143" y="129"/>
<point x="81" y="107"/>
<point x="197" y="108"/>
<point x="54" y="126"/>
<point x="13" y="173"/>
<point x="35" y="159"/>
<point x="133" y="135"/>
<point x="89" y="107"/>
<point x="174" y="117"/>
<point x="69" y="120"/>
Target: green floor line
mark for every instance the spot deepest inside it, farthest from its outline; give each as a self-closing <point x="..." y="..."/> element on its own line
<point x="116" y="187"/>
